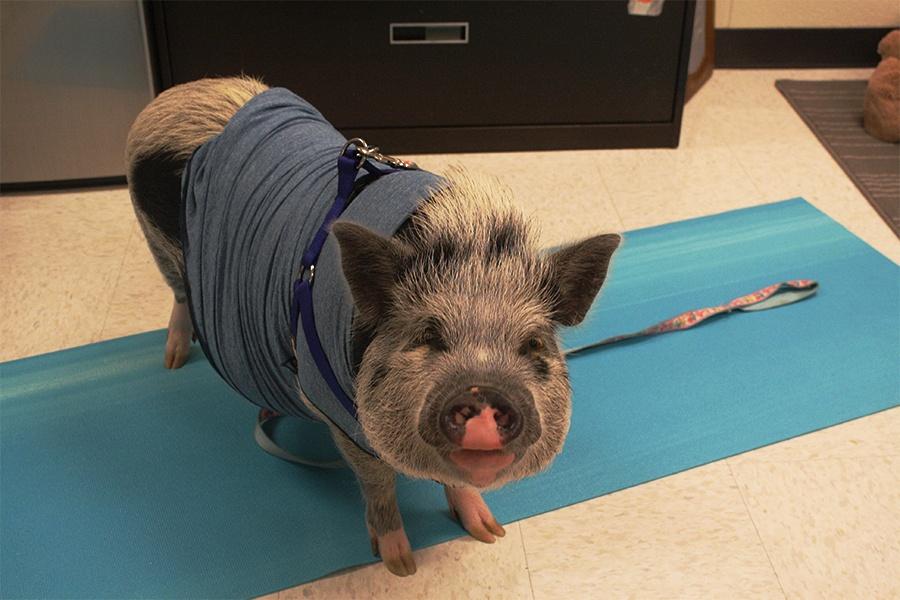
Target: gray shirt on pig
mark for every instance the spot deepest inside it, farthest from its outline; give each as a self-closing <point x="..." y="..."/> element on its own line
<point x="253" y="198"/>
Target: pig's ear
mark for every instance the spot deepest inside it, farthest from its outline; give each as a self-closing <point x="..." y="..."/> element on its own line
<point x="369" y="262"/>
<point x="577" y="272"/>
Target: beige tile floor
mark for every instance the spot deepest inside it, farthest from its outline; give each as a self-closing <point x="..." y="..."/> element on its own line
<point x="813" y="517"/>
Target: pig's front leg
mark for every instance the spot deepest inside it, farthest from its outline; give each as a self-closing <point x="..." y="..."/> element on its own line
<point x="383" y="520"/>
<point x="468" y="507"/>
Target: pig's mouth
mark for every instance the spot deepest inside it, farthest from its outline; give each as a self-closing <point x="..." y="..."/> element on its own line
<point x="481" y="466"/>
<point x="478" y="429"/>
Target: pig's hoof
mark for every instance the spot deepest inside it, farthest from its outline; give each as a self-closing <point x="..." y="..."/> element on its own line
<point x="395" y="552"/>
<point x="181" y="333"/>
<point x="467" y="507"/>
<point x="178" y="348"/>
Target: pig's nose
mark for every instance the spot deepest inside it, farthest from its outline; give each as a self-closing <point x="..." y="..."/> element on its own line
<point x="480" y="418"/>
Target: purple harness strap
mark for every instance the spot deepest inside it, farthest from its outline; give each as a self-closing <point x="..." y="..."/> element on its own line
<point x="349" y="163"/>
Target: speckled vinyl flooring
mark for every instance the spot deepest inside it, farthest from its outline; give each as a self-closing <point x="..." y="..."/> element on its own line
<point x="813" y="517"/>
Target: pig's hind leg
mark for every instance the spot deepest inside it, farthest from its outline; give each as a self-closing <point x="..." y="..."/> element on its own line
<point x="180" y="335"/>
<point x="162" y="138"/>
<point x="155" y="187"/>
<point x="378" y="483"/>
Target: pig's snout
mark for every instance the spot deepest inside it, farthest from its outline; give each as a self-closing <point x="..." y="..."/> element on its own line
<point x="480" y="426"/>
<point x="479" y="413"/>
<point x="480" y="418"/>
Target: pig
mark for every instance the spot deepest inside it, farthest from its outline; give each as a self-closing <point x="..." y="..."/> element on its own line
<point x="461" y="377"/>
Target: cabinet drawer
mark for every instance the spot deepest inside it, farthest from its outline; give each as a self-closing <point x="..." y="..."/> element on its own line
<point x="476" y="66"/>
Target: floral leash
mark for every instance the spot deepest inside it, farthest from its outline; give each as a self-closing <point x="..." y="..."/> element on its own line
<point x="773" y="296"/>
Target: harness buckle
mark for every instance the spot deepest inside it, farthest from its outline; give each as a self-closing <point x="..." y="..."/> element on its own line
<point x="309" y="270"/>
<point x="305" y="273"/>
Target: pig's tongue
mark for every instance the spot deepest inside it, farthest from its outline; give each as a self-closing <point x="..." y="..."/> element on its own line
<point x="481" y="432"/>
<point x="481" y="455"/>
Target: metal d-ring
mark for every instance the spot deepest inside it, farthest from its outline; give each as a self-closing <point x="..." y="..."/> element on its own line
<point x="362" y="149"/>
<point x="366" y="151"/>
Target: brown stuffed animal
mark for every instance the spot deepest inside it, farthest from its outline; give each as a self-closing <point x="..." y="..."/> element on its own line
<point x="890" y="45"/>
<point x="881" y="108"/>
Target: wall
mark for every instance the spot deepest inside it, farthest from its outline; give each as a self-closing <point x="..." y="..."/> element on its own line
<point x="73" y="76"/>
<point x="776" y="14"/>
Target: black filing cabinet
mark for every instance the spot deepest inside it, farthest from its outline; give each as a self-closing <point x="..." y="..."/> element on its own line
<point x="448" y="76"/>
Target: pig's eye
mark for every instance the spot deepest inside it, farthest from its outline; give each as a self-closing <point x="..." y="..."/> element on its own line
<point x="432" y="338"/>
<point x="534" y="344"/>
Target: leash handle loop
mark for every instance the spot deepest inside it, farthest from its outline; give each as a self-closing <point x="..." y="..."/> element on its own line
<point x="262" y="433"/>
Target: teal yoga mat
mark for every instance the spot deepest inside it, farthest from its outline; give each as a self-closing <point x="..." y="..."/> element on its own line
<point x="119" y="479"/>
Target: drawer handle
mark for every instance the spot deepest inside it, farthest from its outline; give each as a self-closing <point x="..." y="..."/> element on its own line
<point x="429" y="33"/>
